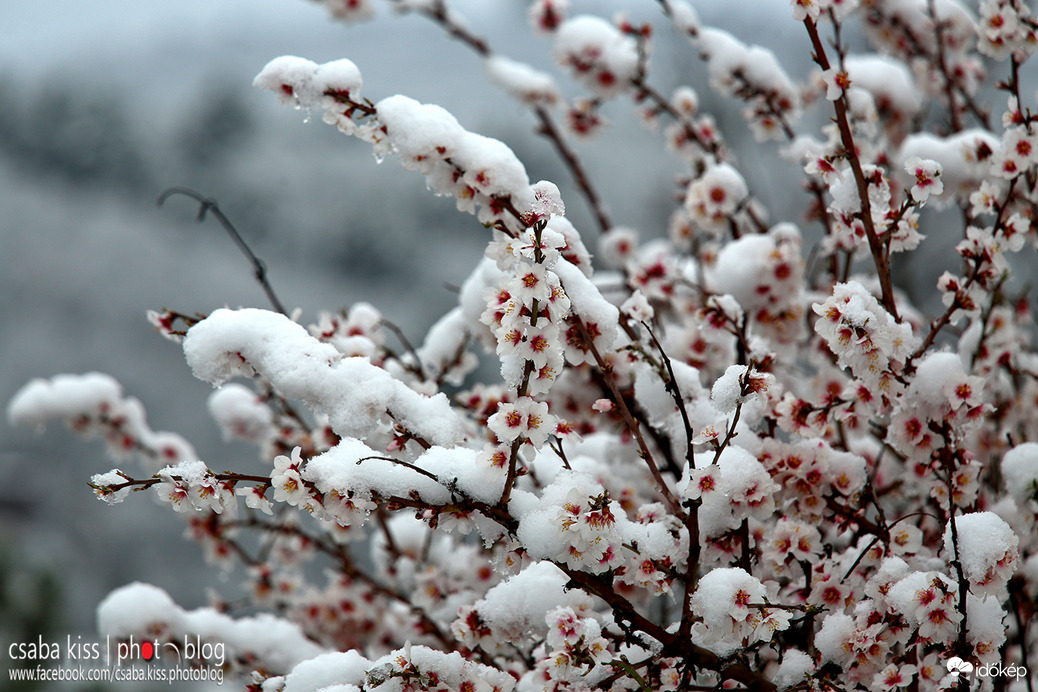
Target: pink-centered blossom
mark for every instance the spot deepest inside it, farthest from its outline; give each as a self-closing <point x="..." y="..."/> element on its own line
<point x="836" y="83"/>
<point x="926" y="178"/>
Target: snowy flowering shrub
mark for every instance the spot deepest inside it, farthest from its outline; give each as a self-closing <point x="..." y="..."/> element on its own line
<point x="728" y="453"/>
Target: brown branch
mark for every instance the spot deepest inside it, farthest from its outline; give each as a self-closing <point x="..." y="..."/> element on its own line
<point x="942" y="64"/>
<point x="408" y="346"/>
<point x="209" y="205"/>
<point x="632" y="424"/>
<point x="671" y="385"/>
<point x="879" y="255"/>
<point x="576" y="167"/>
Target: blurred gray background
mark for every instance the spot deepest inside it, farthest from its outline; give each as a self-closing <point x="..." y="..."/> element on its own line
<point x="104" y="103"/>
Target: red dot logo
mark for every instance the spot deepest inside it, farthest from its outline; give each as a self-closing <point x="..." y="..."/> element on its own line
<point x="147" y="651"/>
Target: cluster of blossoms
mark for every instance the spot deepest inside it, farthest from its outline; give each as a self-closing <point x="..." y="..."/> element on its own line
<point x="577" y="647"/>
<point x="94" y="405"/>
<point x="731" y="456"/>
<point x="865" y="338"/>
<point x="732" y="605"/>
<point x="1006" y="27"/>
<point x="598" y="54"/>
<point x="525" y="310"/>
<point x="754" y="75"/>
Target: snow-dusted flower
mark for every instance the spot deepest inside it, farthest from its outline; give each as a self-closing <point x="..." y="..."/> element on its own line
<point x="823" y="167"/>
<point x="103" y="484"/>
<point x="862" y="335"/>
<point x="1020" y="471"/>
<point x="893" y="677"/>
<point x="637" y="306"/>
<point x="928" y="600"/>
<point x="522" y="81"/>
<point x="546" y="15"/>
<point x="286" y="479"/>
<point x="598" y="54"/>
<point x="823" y="464"/>
<point x="906" y="539"/>
<point x="351" y="11"/>
<point x="290" y="78"/>
<point x="836" y="83"/>
<point x="525" y="417"/>
<point x="987" y="549"/>
<point x="792" y="539"/>
<point x="175" y="493"/>
<point x="702" y="481"/>
<point x="730" y="602"/>
<point x="926" y="178"/>
<point x="713" y="198"/>
<point x="802" y="9"/>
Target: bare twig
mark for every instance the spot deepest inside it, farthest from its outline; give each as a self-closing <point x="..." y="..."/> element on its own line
<point x="876" y="247"/>
<point x="209" y="205"/>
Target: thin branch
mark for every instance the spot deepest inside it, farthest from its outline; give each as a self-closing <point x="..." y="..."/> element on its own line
<point x="1021" y="627"/>
<point x="942" y="64"/>
<point x="879" y="255"/>
<point x="632" y="424"/>
<point x="675" y="392"/>
<point x="406" y="343"/>
<point x="406" y="464"/>
<point x="576" y="168"/>
<point x="207" y="205"/>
